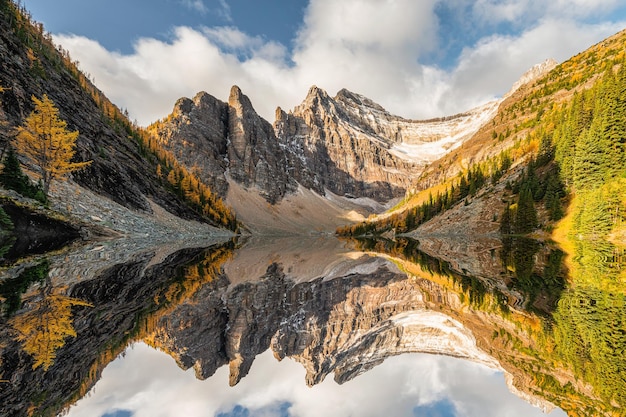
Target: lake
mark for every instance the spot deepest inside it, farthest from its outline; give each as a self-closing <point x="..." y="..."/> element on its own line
<point x="309" y="326"/>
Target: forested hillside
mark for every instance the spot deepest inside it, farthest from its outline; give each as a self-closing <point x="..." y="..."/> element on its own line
<point x="127" y="165"/>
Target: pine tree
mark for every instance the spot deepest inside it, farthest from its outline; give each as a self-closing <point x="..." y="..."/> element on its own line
<point x="546" y="150"/>
<point x="505" y="221"/>
<point x="526" y="216"/>
<point x="45" y="140"/>
<point x="5" y="222"/>
<point x="554" y="193"/>
<point x="612" y="109"/>
<point x="591" y="160"/>
<point x="463" y="188"/>
<point x="12" y="176"/>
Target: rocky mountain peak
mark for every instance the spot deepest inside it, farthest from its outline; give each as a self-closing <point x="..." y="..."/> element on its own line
<point x="352" y="99"/>
<point x="183" y="106"/>
<point x="240" y="102"/>
<point x="315" y="97"/>
<point x="535" y="72"/>
<point x="348" y="144"/>
<point x="279" y="115"/>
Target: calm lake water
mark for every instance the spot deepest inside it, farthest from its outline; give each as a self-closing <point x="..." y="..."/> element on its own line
<point x="315" y="326"/>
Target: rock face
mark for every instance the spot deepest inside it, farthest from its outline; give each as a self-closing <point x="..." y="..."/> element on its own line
<point x="331" y="149"/>
<point x="348" y="144"/>
<point x="255" y="155"/>
<point x="223" y="140"/>
<point x="351" y="145"/>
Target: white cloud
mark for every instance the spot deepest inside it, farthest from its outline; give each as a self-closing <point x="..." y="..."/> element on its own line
<point x="224" y="10"/>
<point x="496" y="62"/>
<point x="197" y="5"/>
<point x="525" y="12"/>
<point x="148" y="383"/>
<point x="373" y="47"/>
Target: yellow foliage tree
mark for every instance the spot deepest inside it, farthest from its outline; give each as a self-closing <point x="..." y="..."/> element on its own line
<point x="44" y="329"/>
<point x="46" y="141"/>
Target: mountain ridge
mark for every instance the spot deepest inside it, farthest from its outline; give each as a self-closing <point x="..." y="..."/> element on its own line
<point x="347" y="145"/>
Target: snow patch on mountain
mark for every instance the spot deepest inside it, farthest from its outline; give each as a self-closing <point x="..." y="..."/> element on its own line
<point x="429" y="141"/>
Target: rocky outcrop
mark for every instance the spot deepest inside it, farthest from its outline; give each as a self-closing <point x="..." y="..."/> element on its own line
<point x="226" y="140"/>
<point x="329" y="149"/>
<point x="255" y="156"/>
<point x="196" y="134"/>
<point x="534" y="73"/>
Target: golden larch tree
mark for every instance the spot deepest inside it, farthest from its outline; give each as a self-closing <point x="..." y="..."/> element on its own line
<point x="44" y="329"/>
<point x="46" y="141"/>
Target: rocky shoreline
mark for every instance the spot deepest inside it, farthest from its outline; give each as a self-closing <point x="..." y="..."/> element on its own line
<point x="108" y="233"/>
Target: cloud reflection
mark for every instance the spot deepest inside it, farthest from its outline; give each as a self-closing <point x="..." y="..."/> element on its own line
<point x="146" y="382"/>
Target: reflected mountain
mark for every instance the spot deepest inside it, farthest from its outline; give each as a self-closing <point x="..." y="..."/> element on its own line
<point x="556" y="327"/>
<point x="339" y="307"/>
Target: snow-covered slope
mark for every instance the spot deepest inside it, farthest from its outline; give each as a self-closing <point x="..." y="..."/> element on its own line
<point x="430" y="140"/>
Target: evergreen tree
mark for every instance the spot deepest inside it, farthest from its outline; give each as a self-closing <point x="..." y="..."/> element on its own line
<point x="612" y="111"/>
<point x="12" y="176"/>
<point x="5" y="221"/>
<point x="463" y="188"/>
<point x="526" y="215"/>
<point x="505" y="221"/>
<point x="591" y="161"/>
<point x="546" y="150"/>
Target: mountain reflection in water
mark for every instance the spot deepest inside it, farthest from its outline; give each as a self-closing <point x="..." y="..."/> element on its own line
<point x="146" y="382"/>
<point x="328" y="307"/>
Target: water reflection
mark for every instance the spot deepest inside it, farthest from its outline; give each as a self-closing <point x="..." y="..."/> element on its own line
<point x="146" y="382"/>
<point x="563" y="343"/>
<point x="326" y="307"/>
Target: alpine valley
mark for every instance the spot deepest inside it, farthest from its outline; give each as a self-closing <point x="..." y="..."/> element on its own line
<point x="339" y="235"/>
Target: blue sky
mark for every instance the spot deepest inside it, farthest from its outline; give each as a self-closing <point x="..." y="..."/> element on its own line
<point x="116" y="24"/>
<point x="418" y="59"/>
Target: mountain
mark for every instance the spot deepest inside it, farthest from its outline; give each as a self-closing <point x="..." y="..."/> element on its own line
<point x="125" y="189"/>
<point x="553" y="147"/>
<point x="345" y="153"/>
<point x="346" y="150"/>
<point x="352" y="146"/>
<point x="215" y="138"/>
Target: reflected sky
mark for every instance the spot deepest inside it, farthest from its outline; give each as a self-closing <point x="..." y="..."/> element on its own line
<point x="146" y="382"/>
